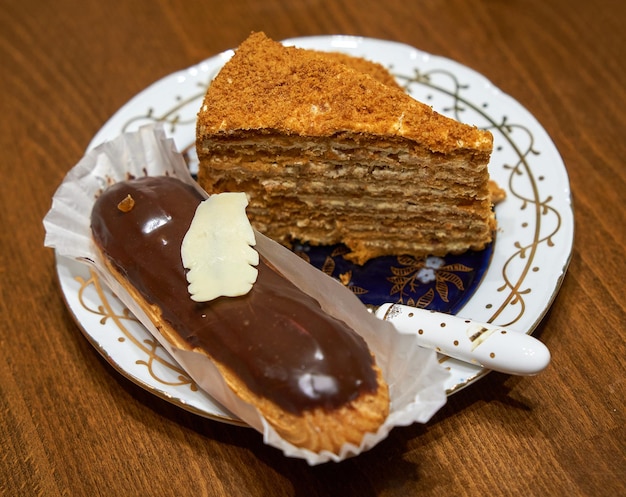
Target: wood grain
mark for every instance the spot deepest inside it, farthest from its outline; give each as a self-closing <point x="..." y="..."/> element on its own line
<point x="71" y="425"/>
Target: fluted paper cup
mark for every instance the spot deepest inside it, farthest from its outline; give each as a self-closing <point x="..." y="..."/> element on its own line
<point x="415" y="378"/>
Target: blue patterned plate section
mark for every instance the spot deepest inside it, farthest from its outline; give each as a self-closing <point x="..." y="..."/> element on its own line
<point x="442" y="284"/>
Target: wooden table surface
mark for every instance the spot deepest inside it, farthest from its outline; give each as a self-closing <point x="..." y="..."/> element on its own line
<point x="71" y="425"/>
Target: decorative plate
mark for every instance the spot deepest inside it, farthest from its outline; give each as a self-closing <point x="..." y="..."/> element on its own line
<point x="512" y="283"/>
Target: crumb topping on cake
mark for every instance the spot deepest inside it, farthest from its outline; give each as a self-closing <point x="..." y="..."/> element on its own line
<point x="312" y="95"/>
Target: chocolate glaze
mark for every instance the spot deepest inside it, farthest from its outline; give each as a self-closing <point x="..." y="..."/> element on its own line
<point x="276" y="338"/>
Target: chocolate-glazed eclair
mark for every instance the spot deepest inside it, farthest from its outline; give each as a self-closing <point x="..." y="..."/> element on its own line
<point x="310" y="376"/>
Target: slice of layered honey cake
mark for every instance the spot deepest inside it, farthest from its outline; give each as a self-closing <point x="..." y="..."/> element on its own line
<point x="329" y="151"/>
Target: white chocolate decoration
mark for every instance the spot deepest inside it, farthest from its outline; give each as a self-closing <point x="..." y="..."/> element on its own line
<point x="217" y="249"/>
<point x="487" y="345"/>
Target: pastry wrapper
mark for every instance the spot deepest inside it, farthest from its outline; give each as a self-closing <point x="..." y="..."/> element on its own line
<point x="415" y="378"/>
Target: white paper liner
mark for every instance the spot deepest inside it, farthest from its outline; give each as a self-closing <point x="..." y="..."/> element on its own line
<point x="415" y="378"/>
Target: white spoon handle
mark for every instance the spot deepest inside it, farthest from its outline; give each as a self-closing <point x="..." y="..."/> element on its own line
<point x="486" y="345"/>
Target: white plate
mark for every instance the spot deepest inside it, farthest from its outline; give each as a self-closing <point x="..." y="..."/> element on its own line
<point x="533" y="245"/>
